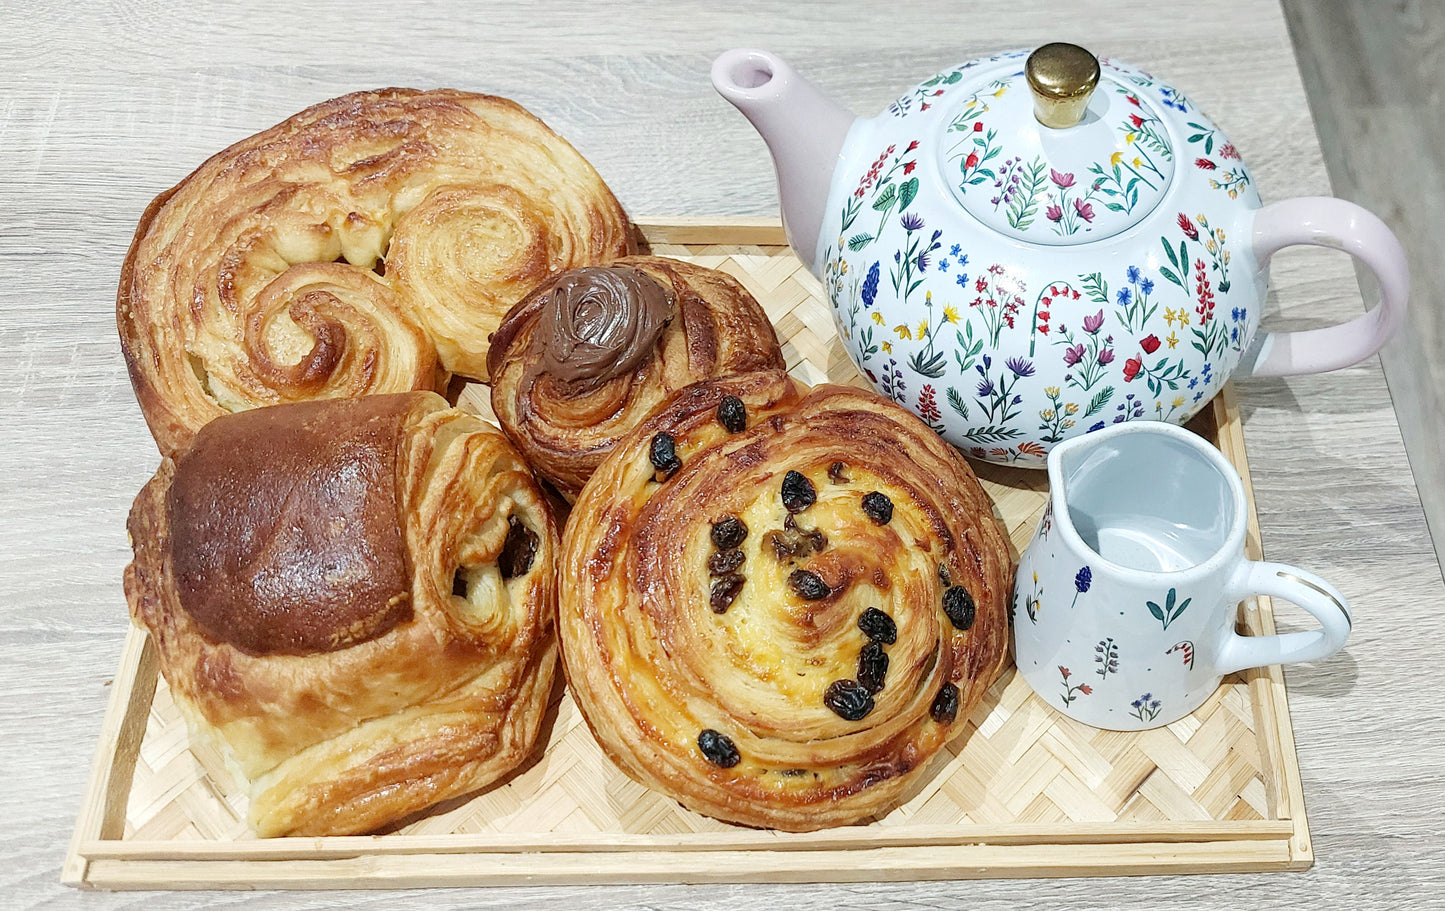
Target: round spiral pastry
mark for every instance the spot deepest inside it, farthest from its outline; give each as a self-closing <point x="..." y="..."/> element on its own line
<point x="354" y="599"/>
<point x="779" y="623"/>
<point x="369" y="244"/>
<point x="589" y="353"/>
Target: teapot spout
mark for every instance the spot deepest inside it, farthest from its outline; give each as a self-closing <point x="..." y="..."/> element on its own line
<point x="804" y="129"/>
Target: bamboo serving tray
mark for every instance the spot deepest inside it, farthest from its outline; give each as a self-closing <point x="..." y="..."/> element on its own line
<point x="1023" y="791"/>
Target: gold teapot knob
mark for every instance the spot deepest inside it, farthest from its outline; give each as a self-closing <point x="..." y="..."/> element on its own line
<point x="1062" y="77"/>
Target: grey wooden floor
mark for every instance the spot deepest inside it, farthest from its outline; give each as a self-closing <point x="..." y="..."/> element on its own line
<point x="1374" y="72"/>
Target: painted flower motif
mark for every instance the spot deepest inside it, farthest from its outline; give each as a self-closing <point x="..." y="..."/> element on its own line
<point x="1054" y="213"/>
<point x="912" y="221"/>
<point x="1021" y="367"/>
<point x="1092" y="324"/>
<point x="1136" y="119"/>
<point x="909" y="166"/>
<point x="1132" y="273"/>
<point x="978" y="126"/>
<point x="928" y="404"/>
<point x="1073" y="354"/>
<point x="912" y="146"/>
<point x="870" y="286"/>
<point x="1106" y="357"/>
<point x="1085" y="210"/>
<point x="1083" y="579"/>
<point x="1188" y="227"/>
<point x="971" y="161"/>
<point x="1131" y="369"/>
<point x="1150" y="344"/>
<point x="961" y="280"/>
<point x="1062" y="181"/>
<point x="955" y="250"/>
<point x="1124" y="296"/>
<point x="1204" y="164"/>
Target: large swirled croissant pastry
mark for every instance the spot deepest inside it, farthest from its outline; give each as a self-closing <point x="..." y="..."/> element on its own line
<point x="355" y="599"/>
<point x="778" y="620"/>
<point x="592" y="351"/>
<point x="369" y="244"/>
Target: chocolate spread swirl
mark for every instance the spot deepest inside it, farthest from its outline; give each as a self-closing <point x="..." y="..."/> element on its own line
<point x="600" y="322"/>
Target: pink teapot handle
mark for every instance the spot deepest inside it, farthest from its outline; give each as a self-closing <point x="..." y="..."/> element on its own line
<point x="1324" y="221"/>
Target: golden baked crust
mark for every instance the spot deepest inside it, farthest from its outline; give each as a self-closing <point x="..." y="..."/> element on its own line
<point x="723" y="694"/>
<point x="347" y="693"/>
<point x="369" y="244"/>
<point x="565" y="427"/>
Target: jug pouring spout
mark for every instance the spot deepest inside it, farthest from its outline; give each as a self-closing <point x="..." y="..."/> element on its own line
<point x="803" y="128"/>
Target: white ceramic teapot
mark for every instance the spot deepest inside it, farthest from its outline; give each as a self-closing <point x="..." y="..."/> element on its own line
<point x="1032" y="246"/>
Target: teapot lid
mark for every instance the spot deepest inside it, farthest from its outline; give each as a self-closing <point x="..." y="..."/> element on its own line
<point x="1058" y="152"/>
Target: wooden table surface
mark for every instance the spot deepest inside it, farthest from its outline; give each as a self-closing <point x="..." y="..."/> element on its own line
<point x="104" y="105"/>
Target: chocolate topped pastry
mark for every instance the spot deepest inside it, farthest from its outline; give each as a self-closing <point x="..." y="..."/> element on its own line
<point x="591" y="352"/>
<point x="354" y="599"/>
<point x="599" y="323"/>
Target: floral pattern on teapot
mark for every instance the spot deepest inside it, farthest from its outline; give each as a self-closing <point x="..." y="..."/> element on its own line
<point x="1006" y="350"/>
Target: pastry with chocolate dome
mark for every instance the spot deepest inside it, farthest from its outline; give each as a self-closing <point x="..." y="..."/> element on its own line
<point x="592" y="351"/>
<point x="354" y="600"/>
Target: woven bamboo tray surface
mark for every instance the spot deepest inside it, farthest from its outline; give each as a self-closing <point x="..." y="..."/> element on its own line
<point x="1023" y="791"/>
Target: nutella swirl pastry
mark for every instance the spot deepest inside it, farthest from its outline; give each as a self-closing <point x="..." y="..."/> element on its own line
<point x="776" y="607"/>
<point x="354" y="599"/>
<point x="593" y="350"/>
<point x="369" y="244"/>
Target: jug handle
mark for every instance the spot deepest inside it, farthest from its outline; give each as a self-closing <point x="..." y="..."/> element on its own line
<point x="1324" y="221"/>
<point x="1298" y="586"/>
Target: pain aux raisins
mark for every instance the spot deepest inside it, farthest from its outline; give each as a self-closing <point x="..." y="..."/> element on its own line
<point x="718" y="749"/>
<point x="878" y="626"/>
<point x="798" y="492"/>
<point x="872" y="667"/>
<point x="732" y="414"/>
<point x="729" y="532"/>
<point x="663" y="454"/>
<point x="945" y="705"/>
<point x="808" y="586"/>
<point x="724" y="592"/>
<point x="848" y="699"/>
<point x="878" y="507"/>
<point x="958" y="605"/>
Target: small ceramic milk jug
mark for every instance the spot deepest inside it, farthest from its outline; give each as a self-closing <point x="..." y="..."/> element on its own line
<point x="1125" y="602"/>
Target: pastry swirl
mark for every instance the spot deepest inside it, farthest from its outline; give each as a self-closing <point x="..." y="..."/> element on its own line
<point x="780" y="621"/>
<point x="592" y="351"/>
<point x="354" y="598"/>
<point x="369" y="244"/>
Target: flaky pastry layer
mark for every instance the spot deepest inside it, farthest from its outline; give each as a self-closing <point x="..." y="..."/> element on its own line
<point x="445" y="699"/>
<point x="723" y="666"/>
<point x="368" y="244"/>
